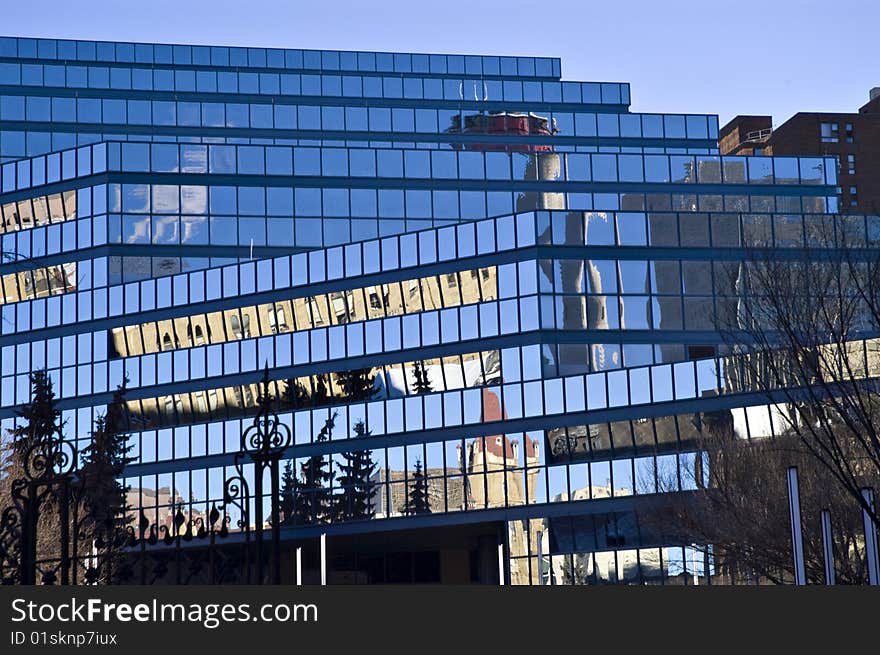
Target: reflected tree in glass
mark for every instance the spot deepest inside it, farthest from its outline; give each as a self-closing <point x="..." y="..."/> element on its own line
<point x="312" y="499"/>
<point x="356" y="501"/>
<point x="417" y="501"/>
<point x="422" y="384"/>
<point x="357" y="384"/>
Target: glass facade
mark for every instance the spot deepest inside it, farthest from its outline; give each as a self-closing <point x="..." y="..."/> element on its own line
<point x="505" y="286"/>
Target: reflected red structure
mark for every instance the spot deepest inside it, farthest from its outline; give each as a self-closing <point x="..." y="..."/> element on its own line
<point x="504" y="122"/>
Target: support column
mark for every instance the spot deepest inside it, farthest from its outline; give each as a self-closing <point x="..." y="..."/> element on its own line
<point x="870" y="539"/>
<point x="323" y="559"/>
<point x="501" y="564"/>
<point x="828" y="547"/>
<point x="797" y="543"/>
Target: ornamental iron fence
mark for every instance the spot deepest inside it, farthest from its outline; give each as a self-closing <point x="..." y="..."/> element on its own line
<point x="48" y="536"/>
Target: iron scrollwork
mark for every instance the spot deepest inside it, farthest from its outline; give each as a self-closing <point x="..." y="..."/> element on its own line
<point x="47" y="473"/>
<point x="262" y="444"/>
<point x="183" y="549"/>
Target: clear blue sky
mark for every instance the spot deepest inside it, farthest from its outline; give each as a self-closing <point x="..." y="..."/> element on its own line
<point x="716" y="56"/>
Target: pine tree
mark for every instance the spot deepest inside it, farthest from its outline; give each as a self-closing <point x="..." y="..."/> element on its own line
<point x="322" y="394"/>
<point x="358" y="490"/>
<point x="417" y="501"/>
<point x="286" y="499"/>
<point x="39" y="428"/>
<point x="356" y="384"/>
<point x="41" y="421"/>
<point x="312" y="497"/>
<point x="103" y="498"/>
<point x="422" y="384"/>
<point x="295" y="394"/>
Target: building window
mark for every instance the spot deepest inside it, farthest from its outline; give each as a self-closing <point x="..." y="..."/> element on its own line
<point x="244" y="396"/>
<point x="851" y="164"/>
<point x="241" y="328"/>
<point x="451" y="280"/>
<point x="829" y="133"/>
<point x="849" y="133"/>
<point x="613" y="534"/>
<point x="343" y="307"/>
<point x="277" y="321"/>
<point x="173" y="404"/>
<point x="206" y="401"/>
<point x="315" y="310"/>
<point x="373" y="295"/>
<point x="339" y="309"/>
<point x="853" y="196"/>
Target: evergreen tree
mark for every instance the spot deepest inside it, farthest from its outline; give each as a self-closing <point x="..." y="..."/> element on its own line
<point x="39" y="422"/>
<point x="417" y="501"/>
<point x="288" y="491"/>
<point x="312" y="496"/>
<point x="295" y="394"/>
<point x="322" y="394"/>
<point x="356" y="384"/>
<point x="103" y="498"/>
<point x="358" y="490"/>
<point x="422" y="384"/>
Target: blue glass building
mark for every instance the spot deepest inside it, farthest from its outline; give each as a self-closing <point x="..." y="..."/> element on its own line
<point x="505" y="286"/>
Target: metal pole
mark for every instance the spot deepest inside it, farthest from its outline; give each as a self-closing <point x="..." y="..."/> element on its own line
<point x="299" y="569"/>
<point x="797" y="544"/>
<point x="870" y="539"/>
<point x="827" y="547"/>
<point x="540" y="537"/>
<point x="28" y="557"/>
<point x="258" y="523"/>
<point x="63" y="510"/>
<point x="323" y="559"/>
<point x="501" y="564"/>
<point x="276" y="522"/>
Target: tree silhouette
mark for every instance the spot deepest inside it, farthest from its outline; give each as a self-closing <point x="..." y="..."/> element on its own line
<point x="358" y="490"/>
<point x="799" y="339"/>
<point x="417" y="501"/>
<point x="104" y="506"/>
<point x="286" y="500"/>
<point x="356" y="384"/>
<point x="321" y="396"/>
<point x="295" y="394"/>
<point x="422" y="384"/>
<point x="743" y="510"/>
<point x="313" y="502"/>
<point x="39" y="423"/>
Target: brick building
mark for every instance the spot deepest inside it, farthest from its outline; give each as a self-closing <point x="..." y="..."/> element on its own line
<point x="853" y="138"/>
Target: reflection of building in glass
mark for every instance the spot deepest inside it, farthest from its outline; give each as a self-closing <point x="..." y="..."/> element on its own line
<point x="504" y="123"/>
<point x="852" y="138"/>
<point x="165" y="504"/>
<point x="505" y="286"/>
